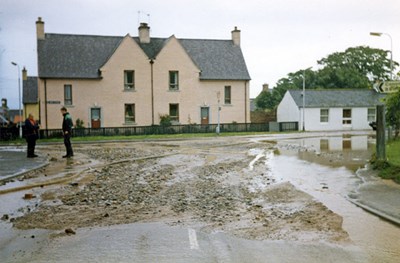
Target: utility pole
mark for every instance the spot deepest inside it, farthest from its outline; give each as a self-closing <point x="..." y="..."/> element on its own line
<point x="380" y="133"/>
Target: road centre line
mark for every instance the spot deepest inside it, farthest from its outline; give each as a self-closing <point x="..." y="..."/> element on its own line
<point x="193" y="239"/>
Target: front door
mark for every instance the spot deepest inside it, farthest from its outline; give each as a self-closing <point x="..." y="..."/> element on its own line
<point x="95" y="117"/>
<point x="205" y="115"/>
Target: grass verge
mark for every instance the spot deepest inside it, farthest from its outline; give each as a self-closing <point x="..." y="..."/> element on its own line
<point x="390" y="169"/>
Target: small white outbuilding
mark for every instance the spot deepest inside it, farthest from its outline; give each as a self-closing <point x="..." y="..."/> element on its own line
<point x="330" y="109"/>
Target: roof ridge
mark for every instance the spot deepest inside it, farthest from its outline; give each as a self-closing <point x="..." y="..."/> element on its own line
<point x="82" y="35"/>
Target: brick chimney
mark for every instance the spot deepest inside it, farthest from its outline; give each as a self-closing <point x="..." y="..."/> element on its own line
<point x="265" y="87"/>
<point x="144" y="33"/>
<point x="236" y="36"/>
<point x="24" y="74"/>
<point x="39" y="28"/>
<point x="4" y="103"/>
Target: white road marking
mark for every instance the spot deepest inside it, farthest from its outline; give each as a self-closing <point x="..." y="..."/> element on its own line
<point x="193" y="239"/>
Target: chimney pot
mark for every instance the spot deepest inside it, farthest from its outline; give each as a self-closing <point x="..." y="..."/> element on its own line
<point x="24" y="74"/>
<point x="39" y="28"/>
<point x="236" y="36"/>
<point x="144" y="33"/>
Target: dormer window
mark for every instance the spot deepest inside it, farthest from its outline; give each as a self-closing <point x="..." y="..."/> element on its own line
<point x="129" y="80"/>
<point x="173" y="80"/>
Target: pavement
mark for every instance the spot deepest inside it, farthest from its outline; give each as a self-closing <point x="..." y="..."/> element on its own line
<point x="14" y="163"/>
<point x="377" y="196"/>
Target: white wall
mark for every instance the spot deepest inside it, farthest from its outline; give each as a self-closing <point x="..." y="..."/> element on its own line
<point x="287" y="110"/>
<point x="359" y="120"/>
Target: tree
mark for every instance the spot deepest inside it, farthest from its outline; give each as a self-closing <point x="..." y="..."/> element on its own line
<point x="356" y="68"/>
<point x="266" y="100"/>
<point x="370" y="63"/>
<point x="392" y="102"/>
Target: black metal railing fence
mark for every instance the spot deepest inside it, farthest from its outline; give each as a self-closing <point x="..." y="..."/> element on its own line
<point x="7" y="134"/>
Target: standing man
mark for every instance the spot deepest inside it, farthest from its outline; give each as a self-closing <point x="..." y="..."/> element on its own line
<point x="31" y="135"/>
<point x="67" y="131"/>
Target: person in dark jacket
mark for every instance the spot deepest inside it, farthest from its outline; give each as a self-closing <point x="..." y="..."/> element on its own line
<point x="67" y="125"/>
<point x="31" y="135"/>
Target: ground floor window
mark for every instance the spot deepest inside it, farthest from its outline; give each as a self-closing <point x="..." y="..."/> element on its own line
<point x="174" y="112"/>
<point x="129" y="113"/>
<point x="371" y="114"/>
<point x="68" y="94"/>
<point x="227" y="96"/>
<point x="346" y="116"/>
<point x="324" y="115"/>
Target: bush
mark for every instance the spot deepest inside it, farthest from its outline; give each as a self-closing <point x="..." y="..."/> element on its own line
<point x="165" y="120"/>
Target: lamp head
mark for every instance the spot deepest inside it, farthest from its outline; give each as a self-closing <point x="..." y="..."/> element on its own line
<point x="15" y="64"/>
<point x="377" y="34"/>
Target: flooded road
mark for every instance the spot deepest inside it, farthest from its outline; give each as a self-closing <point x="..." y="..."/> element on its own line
<point x="314" y="168"/>
<point x="214" y="200"/>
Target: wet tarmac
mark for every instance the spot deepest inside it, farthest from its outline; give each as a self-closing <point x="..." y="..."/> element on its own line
<point x="13" y="162"/>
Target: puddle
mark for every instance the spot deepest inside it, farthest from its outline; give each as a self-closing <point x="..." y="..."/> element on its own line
<point x="351" y="152"/>
<point x="315" y="168"/>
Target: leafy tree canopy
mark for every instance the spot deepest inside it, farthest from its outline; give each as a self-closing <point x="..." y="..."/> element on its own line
<point x="356" y="67"/>
<point x="392" y="102"/>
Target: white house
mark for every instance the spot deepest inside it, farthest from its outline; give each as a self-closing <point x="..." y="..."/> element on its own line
<point x="330" y="109"/>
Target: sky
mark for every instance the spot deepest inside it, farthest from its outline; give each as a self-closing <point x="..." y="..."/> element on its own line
<point x="277" y="36"/>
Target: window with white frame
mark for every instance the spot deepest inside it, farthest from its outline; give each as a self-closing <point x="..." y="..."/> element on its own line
<point x="173" y="80"/>
<point x="68" y="94"/>
<point x="346" y="117"/>
<point x="324" y="115"/>
<point x="129" y="113"/>
<point x="371" y="114"/>
<point x="129" y="80"/>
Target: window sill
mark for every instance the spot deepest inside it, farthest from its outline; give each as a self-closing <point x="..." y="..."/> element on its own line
<point x="129" y="90"/>
<point x="129" y="124"/>
<point x="174" y="90"/>
<point x="69" y="106"/>
<point x="228" y="105"/>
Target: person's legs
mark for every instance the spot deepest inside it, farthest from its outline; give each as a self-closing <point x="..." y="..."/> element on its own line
<point x="68" y="146"/>
<point x="31" y="146"/>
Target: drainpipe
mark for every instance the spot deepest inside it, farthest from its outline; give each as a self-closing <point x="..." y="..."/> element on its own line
<point x="45" y="107"/>
<point x="245" y="103"/>
<point x="152" y="91"/>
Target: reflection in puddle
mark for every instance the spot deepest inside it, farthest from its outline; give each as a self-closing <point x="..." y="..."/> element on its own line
<point x="351" y="152"/>
<point x="325" y="168"/>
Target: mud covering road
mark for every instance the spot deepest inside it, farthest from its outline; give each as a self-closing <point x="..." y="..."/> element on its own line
<point x="218" y="184"/>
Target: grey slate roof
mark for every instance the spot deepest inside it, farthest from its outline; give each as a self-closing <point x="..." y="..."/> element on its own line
<point x="74" y="56"/>
<point x="81" y="56"/>
<point x="30" y="90"/>
<point x="217" y="59"/>
<point x="331" y="98"/>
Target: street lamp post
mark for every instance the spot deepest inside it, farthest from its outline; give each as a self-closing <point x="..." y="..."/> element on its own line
<point x="378" y="34"/>
<point x="304" y="98"/>
<point x="219" y="109"/>
<point x="19" y="99"/>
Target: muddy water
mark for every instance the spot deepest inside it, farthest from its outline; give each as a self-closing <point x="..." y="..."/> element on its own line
<point x="325" y="168"/>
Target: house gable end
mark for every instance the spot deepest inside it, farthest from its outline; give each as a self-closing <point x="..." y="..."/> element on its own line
<point x="126" y="48"/>
<point x="288" y="110"/>
<point x="173" y="49"/>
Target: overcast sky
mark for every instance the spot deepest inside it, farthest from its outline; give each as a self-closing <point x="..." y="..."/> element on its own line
<point x="277" y="36"/>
